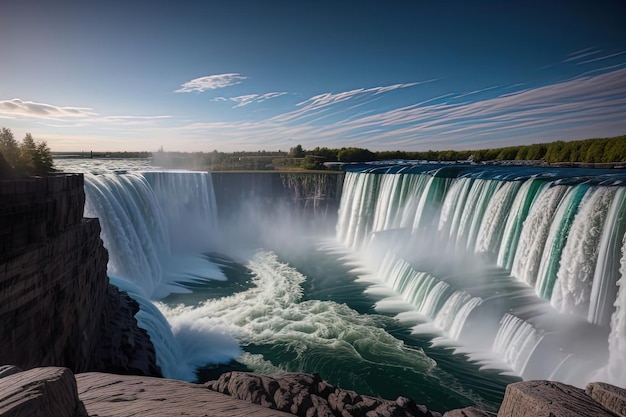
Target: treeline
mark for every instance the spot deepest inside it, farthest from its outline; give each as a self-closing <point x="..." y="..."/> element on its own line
<point x="27" y="157"/>
<point x="602" y="150"/>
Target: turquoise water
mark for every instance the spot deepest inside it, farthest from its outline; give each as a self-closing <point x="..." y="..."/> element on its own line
<point x="332" y="329"/>
<point x="441" y="283"/>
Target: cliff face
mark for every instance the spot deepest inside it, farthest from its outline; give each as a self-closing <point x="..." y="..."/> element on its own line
<point x="56" y="307"/>
<point x="313" y="197"/>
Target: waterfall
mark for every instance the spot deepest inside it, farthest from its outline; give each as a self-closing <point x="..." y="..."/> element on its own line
<point x="378" y="202"/>
<point x="604" y="288"/>
<point x="463" y="210"/>
<point x="516" y="341"/>
<point x="131" y="223"/>
<point x="481" y="231"/>
<point x="492" y="227"/>
<point x="425" y="293"/>
<point x="535" y="233"/>
<point x="187" y="202"/>
<point x="615" y="369"/>
<point x="515" y="221"/>
<point x="523" y="269"/>
<point x="572" y="291"/>
<point x="557" y="237"/>
<point x="151" y="223"/>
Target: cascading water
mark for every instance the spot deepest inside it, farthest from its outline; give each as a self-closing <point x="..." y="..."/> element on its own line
<point x="492" y="227"/>
<point x="535" y="233"/>
<point x="615" y="369"/>
<point x="146" y="218"/>
<point x="606" y="274"/>
<point x="425" y="257"/>
<point x="572" y="292"/>
<point x="557" y="237"/>
<point x="560" y="234"/>
<point x="516" y="342"/>
<point x="515" y="221"/>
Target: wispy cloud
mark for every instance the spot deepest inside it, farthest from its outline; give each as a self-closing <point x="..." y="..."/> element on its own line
<point x="70" y="117"/>
<point x="322" y="102"/>
<point x="583" y="53"/>
<point x="564" y="110"/>
<point x="250" y="98"/>
<point x="601" y="58"/>
<point x="384" y="117"/>
<point x="326" y="99"/>
<point x="134" y="120"/>
<point x="210" y="82"/>
<point x="18" y="107"/>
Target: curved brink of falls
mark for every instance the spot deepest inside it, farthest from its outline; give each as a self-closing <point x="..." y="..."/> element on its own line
<point x="496" y="247"/>
<point x="507" y="265"/>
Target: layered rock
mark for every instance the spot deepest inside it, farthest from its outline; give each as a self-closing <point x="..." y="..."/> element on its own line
<point x="124" y="348"/>
<point x="125" y="396"/>
<point x="40" y="392"/>
<point x="610" y="396"/>
<point x="36" y="208"/>
<point x="56" y="392"/>
<point x="307" y="395"/>
<point x="56" y="305"/>
<point x="549" y="399"/>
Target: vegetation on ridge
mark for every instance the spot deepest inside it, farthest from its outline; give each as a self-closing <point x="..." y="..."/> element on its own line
<point x="588" y="151"/>
<point x="32" y="157"/>
<point x="25" y="158"/>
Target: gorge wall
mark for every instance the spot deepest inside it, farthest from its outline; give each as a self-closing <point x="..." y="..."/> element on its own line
<point x="56" y="304"/>
<point x="313" y="194"/>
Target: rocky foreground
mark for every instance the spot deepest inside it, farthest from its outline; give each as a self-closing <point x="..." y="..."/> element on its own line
<point x="56" y="392"/>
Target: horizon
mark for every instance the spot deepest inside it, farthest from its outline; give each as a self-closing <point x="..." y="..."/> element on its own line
<point x="286" y="151"/>
<point x="244" y="76"/>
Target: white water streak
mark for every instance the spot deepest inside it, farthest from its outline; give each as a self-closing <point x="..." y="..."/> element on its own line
<point x="572" y="290"/>
<point x="534" y="234"/>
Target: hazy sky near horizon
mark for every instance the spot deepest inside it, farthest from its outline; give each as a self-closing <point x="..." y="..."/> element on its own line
<point x="270" y="74"/>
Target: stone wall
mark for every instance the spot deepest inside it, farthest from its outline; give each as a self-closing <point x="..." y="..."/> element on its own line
<point x="56" y="306"/>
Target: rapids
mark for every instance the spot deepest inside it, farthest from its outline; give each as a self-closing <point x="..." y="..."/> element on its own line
<point x="439" y="282"/>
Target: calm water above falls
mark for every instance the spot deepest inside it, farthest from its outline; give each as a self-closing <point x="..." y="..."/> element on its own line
<point x="439" y="283"/>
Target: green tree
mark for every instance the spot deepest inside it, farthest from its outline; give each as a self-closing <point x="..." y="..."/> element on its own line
<point x="28" y="154"/>
<point x="507" y="154"/>
<point x="296" y="152"/>
<point x="310" y="162"/>
<point x="43" y="158"/>
<point x="25" y="158"/>
<point x="594" y="151"/>
<point x="355" y="155"/>
<point x="536" y="151"/>
<point x="615" y="150"/>
<point x="9" y="147"/>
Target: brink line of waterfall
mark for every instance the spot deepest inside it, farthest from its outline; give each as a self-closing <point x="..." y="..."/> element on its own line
<point x="520" y="269"/>
<point x="512" y="271"/>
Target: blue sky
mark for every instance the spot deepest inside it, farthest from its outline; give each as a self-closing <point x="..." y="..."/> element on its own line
<point x="268" y="75"/>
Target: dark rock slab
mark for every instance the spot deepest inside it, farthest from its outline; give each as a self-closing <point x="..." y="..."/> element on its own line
<point x="549" y="399"/>
<point x="135" y="396"/>
<point x="40" y="392"/>
<point x="610" y="396"/>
